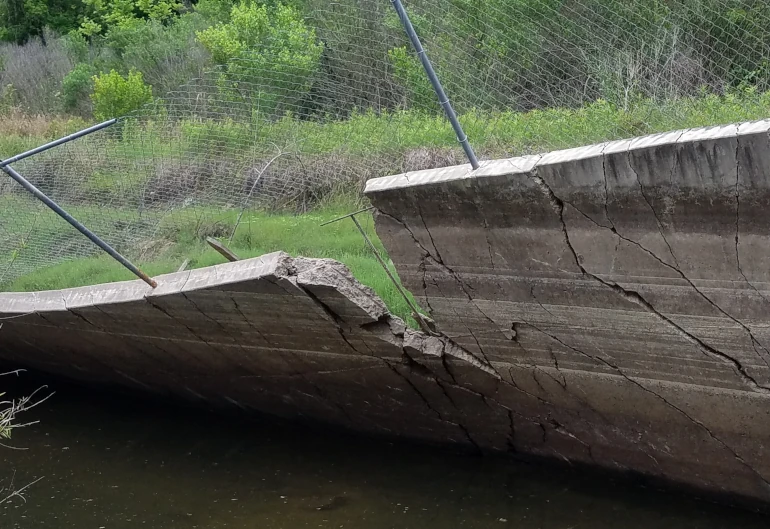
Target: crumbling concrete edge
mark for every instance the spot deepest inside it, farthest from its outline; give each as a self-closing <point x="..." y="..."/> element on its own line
<point x="323" y="281"/>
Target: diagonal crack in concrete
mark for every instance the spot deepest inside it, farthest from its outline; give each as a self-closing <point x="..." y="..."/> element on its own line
<point x="633" y="296"/>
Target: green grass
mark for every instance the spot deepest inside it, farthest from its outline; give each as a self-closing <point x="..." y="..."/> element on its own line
<point x="499" y="133"/>
<point x="368" y="133"/>
<point x="364" y="136"/>
<point x="257" y="234"/>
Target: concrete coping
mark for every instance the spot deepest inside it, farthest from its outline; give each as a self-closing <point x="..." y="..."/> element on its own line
<point x="15" y="303"/>
<point x="526" y="164"/>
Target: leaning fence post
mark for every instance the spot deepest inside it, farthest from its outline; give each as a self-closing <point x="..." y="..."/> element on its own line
<point x="26" y="184"/>
<point x="434" y="80"/>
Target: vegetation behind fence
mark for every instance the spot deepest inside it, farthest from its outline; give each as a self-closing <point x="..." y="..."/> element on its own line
<point x="283" y="107"/>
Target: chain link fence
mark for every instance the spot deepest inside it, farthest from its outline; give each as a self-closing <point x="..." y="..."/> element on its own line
<point x="325" y="96"/>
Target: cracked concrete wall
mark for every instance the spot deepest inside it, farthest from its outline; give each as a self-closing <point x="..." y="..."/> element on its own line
<point x="617" y="296"/>
<point x="290" y="337"/>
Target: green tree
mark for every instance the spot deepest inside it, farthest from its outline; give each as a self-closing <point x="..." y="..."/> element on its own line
<point x="270" y="51"/>
<point x="22" y="19"/>
<point x="116" y="96"/>
<point x="410" y="73"/>
<point x="76" y="85"/>
<point x="103" y="15"/>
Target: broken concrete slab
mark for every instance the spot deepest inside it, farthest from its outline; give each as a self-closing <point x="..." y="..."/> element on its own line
<point x="619" y="295"/>
<point x="291" y="337"/>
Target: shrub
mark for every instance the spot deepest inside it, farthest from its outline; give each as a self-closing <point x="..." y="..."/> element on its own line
<point x="271" y="49"/>
<point x="76" y="86"/>
<point x="76" y="46"/>
<point x="409" y="72"/>
<point x="167" y="55"/>
<point x="215" y="11"/>
<point x="125" y="14"/>
<point x="116" y="96"/>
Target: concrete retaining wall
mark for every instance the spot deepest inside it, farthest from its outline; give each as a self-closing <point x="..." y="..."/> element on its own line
<point x="620" y="294"/>
<point x="289" y="337"/>
<point x="606" y="305"/>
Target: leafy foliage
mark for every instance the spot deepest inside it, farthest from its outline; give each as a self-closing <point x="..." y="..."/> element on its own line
<point x="23" y="19"/>
<point x="76" y="86"/>
<point x="409" y="71"/>
<point x="125" y="14"/>
<point x="270" y="50"/>
<point x="116" y="96"/>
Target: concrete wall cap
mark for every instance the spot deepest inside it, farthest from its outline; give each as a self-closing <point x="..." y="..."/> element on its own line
<point x="525" y="164"/>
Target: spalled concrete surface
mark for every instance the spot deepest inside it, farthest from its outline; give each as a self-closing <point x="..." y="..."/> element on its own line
<point x="615" y="297"/>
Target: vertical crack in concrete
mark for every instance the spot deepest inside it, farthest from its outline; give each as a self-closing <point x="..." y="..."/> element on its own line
<point x="658" y="222"/>
<point x="428" y="405"/>
<point x="168" y="314"/>
<point x="242" y="363"/>
<point x="606" y="188"/>
<point x="248" y="321"/>
<point x="424" y="270"/>
<point x="638" y="299"/>
<point x="436" y="255"/>
<point x="485" y="399"/>
<point x="136" y="341"/>
<point x="438" y="262"/>
<point x="738" y="221"/>
<point x="83" y="318"/>
<point x="333" y="316"/>
<point x="511" y="441"/>
<point x="489" y="243"/>
<point x="228" y="357"/>
<point x="677" y="153"/>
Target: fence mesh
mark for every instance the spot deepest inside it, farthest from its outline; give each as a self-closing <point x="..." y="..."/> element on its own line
<point x="329" y="94"/>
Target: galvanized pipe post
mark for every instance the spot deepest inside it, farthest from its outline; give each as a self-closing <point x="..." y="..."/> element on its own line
<point x="434" y="80"/>
<point x="26" y="184"/>
<point x="60" y="141"/>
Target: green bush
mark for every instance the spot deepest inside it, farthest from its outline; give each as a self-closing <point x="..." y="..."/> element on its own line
<point x="115" y="95"/>
<point x="76" y="86"/>
<point x="168" y="55"/>
<point x="76" y="46"/>
<point x="410" y="73"/>
<point x="216" y="11"/>
<point x="269" y="48"/>
<point x="125" y="14"/>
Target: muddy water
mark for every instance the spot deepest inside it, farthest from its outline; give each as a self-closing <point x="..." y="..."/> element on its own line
<point x="112" y="462"/>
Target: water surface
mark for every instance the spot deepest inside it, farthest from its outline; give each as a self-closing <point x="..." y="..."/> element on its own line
<point x="112" y="462"/>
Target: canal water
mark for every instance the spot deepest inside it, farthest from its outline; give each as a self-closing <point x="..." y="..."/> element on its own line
<point x="107" y="461"/>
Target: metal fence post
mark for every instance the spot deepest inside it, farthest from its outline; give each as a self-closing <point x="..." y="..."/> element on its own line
<point x="434" y="80"/>
<point x="26" y="184"/>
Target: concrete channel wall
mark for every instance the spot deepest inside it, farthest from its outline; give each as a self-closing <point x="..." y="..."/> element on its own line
<point x="605" y="305"/>
<point x="620" y="294"/>
<point x="287" y="336"/>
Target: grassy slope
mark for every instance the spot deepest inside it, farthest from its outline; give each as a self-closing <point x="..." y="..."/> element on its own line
<point x="367" y="134"/>
<point x="257" y="234"/>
